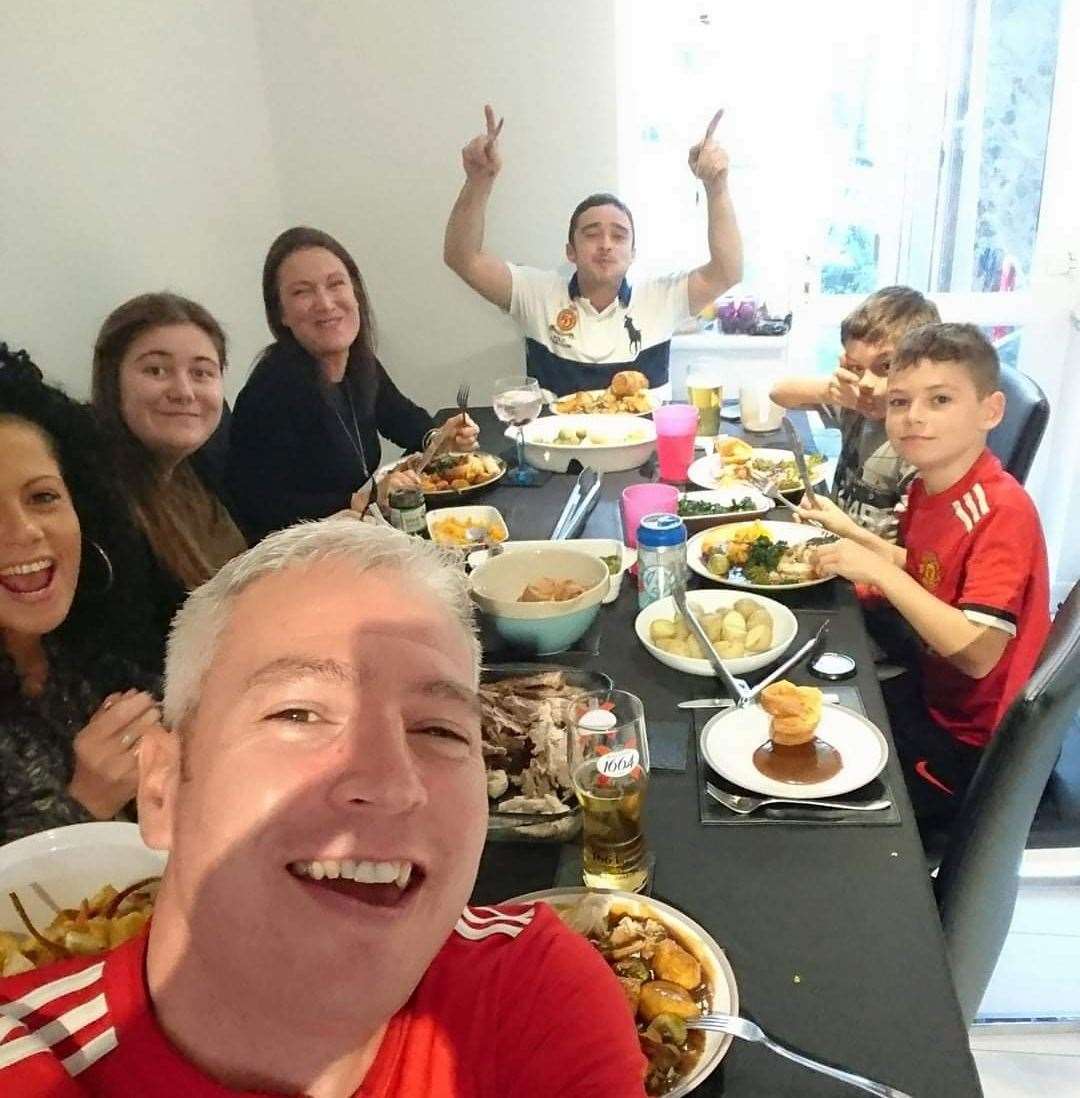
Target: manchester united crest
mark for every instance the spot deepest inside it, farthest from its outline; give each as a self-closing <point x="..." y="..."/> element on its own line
<point x="566" y="320"/>
<point x="930" y="571"/>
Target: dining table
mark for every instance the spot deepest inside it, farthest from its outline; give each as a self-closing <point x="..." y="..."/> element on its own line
<point x="830" y="927"/>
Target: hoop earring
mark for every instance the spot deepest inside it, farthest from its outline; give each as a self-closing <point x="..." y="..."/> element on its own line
<point x="110" y="575"/>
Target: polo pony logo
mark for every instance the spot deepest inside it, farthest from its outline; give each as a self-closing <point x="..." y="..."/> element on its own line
<point x="633" y="334"/>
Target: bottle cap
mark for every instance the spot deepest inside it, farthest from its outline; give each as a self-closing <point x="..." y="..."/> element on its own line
<point x="832" y="666"/>
<point x="658" y="530"/>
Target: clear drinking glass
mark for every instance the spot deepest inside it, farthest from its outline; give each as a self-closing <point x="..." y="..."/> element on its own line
<point x="517" y="400"/>
<point x="609" y="767"/>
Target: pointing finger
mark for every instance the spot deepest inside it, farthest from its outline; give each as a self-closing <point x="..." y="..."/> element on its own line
<point x="489" y="119"/>
<point x="713" y="124"/>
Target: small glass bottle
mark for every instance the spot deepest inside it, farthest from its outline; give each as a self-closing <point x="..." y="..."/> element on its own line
<point x="661" y="545"/>
<point x="407" y="510"/>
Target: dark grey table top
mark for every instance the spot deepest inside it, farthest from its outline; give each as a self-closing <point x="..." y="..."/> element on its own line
<point x="832" y="931"/>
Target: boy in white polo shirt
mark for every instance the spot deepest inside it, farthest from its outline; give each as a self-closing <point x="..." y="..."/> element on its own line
<point x="580" y="333"/>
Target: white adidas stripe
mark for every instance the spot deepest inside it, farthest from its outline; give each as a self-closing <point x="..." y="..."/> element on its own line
<point x="980" y="495"/>
<point x="69" y="1024"/>
<point x="91" y="1052"/>
<point x="7" y="1025"/>
<point x="57" y="989"/>
<point x="469" y="915"/>
<point x="475" y="934"/>
<point x="962" y="515"/>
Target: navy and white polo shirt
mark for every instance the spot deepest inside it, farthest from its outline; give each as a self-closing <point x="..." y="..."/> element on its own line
<point x="570" y="346"/>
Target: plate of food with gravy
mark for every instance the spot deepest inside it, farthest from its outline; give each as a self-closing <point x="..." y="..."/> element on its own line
<point x="793" y="745"/>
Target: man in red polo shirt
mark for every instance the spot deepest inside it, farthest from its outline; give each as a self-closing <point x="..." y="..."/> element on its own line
<point x="323" y="801"/>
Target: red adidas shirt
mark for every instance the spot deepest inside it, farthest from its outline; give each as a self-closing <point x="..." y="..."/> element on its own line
<point x="514" y="1004"/>
<point x="979" y="547"/>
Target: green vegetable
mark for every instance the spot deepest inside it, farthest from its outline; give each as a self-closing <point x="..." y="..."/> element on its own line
<point x="614" y="564"/>
<point x="717" y="563"/>
<point x="633" y="968"/>
<point x="669" y="1028"/>
<point x="689" y="508"/>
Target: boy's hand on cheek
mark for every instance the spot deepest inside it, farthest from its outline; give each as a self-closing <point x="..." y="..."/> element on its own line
<point x="850" y="560"/>
<point x="844" y="387"/>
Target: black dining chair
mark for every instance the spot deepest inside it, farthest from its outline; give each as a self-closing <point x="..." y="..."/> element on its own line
<point x="1015" y="440"/>
<point x="978" y="879"/>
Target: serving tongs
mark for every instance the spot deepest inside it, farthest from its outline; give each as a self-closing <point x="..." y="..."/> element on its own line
<point x="578" y="505"/>
<point x="743" y="693"/>
<point x="800" y="459"/>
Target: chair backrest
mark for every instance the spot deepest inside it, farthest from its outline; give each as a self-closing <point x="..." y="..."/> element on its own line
<point x="978" y="879"/>
<point x="1015" y="440"/>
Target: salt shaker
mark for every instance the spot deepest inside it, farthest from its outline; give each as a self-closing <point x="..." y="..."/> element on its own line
<point x="661" y="545"/>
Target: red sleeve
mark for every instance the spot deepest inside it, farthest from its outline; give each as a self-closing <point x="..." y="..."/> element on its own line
<point x="587" y="1045"/>
<point x="999" y="566"/>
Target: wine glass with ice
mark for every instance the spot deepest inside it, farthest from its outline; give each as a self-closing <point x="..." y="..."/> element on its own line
<point x="517" y="400"/>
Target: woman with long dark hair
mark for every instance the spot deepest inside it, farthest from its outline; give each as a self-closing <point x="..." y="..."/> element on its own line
<point x="305" y="430"/>
<point x="73" y="705"/>
<point x="157" y="391"/>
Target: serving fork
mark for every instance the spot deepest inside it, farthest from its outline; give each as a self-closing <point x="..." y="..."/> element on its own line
<point x="746" y="1030"/>
<point x="743" y="805"/>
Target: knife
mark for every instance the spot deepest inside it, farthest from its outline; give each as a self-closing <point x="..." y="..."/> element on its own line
<point x="800" y="460"/>
<point x="727" y="703"/>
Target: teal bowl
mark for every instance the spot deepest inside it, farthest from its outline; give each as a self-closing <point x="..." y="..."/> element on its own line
<point x="539" y="628"/>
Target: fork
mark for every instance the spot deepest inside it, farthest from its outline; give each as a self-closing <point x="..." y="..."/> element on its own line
<point x="440" y="436"/>
<point x="750" y="1031"/>
<point x="767" y="486"/>
<point x="743" y="806"/>
<point x="462" y="400"/>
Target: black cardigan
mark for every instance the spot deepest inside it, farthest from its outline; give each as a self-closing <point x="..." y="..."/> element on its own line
<point x="290" y="457"/>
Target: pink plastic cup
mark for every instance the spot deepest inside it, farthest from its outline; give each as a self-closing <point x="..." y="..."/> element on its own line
<point x="640" y="500"/>
<point x="676" y="429"/>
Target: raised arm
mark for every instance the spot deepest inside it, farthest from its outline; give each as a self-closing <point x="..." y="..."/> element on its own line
<point x="463" y="247"/>
<point x="709" y="162"/>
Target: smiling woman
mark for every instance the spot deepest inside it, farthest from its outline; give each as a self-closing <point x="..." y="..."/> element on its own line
<point x="157" y="388"/>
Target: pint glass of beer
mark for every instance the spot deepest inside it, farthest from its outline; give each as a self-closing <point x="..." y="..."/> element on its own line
<point x="706" y="394"/>
<point x="609" y="760"/>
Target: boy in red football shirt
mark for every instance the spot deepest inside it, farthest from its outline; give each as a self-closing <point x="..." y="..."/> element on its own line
<point x="323" y="800"/>
<point x="970" y="575"/>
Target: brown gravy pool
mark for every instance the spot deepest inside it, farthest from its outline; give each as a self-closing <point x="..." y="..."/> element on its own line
<point x="805" y="764"/>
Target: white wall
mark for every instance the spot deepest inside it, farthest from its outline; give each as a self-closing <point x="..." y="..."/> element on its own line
<point x="371" y="103"/>
<point x="164" y="144"/>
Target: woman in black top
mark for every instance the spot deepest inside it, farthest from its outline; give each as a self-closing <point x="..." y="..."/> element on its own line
<point x="305" y="431"/>
<point x="73" y="705"/>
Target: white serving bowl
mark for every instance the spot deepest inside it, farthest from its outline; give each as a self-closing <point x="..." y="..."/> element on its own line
<point x="540" y="627"/>
<point x="478" y="515"/>
<point x="785" y="628"/>
<point x="630" y="441"/>
<point x="69" y="864"/>
<point x="595" y="547"/>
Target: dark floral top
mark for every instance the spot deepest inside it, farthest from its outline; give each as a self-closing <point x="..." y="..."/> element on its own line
<point x="37" y="734"/>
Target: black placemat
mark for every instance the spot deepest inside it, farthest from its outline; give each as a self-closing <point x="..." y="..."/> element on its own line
<point x="712" y="812"/>
<point x="668" y="743"/>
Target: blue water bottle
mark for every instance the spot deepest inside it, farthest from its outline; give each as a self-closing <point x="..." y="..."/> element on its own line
<point x="661" y="545"/>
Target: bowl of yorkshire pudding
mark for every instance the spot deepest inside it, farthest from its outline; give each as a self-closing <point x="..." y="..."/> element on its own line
<point x="540" y="600"/>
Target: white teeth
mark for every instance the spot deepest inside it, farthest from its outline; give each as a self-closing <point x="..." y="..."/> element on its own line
<point x="349" y="870"/>
<point x="26" y="569"/>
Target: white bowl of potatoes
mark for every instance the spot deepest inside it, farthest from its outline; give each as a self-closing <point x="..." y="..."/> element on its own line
<point x="748" y="632"/>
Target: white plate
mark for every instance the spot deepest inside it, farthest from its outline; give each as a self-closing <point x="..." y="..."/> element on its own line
<point x="727" y="496"/>
<point x="785" y="629"/>
<point x="595" y="547"/>
<point x="656" y="399"/>
<point x="477" y="515"/>
<point x="729" y="740"/>
<point x="725" y="993"/>
<point x="793" y="533"/>
<point x="705" y="471"/>
<point x="70" y="864"/>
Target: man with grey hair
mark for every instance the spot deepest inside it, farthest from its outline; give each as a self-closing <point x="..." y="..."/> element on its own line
<point x="321" y="794"/>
